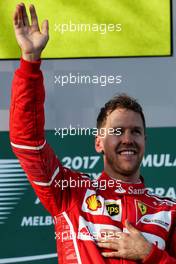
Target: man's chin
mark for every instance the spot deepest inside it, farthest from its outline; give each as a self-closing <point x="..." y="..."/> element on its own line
<point x="128" y="172"/>
<point x="126" y="169"/>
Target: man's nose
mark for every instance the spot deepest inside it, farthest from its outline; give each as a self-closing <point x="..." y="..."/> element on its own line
<point x="127" y="137"/>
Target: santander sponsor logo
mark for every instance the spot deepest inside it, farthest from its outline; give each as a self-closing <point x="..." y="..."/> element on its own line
<point x="132" y="190"/>
<point x="129" y="190"/>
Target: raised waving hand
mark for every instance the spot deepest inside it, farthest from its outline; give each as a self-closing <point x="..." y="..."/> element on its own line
<point x="30" y="38"/>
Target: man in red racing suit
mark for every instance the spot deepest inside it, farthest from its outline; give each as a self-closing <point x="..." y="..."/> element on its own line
<point x="90" y="217"/>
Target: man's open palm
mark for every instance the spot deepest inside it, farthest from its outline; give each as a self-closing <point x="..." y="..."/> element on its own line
<point x="29" y="37"/>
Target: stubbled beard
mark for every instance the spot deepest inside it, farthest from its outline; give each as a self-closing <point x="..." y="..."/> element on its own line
<point x="112" y="164"/>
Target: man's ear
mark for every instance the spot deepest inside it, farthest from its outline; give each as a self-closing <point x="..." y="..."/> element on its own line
<point x="99" y="144"/>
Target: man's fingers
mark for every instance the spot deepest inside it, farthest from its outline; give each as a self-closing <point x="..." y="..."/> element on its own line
<point x="34" y="18"/>
<point x="109" y="238"/>
<point x="17" y="19"/>
<point x="113" y="254"/>
<point x="45" y="28"/>
<point x="130" y="227"/>
<point x="108" y="245"/>
<point x="24" y="15"/>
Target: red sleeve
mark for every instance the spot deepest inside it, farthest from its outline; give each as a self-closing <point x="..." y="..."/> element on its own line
<point x="28" y="142"/>
<point x="159" y="256"/>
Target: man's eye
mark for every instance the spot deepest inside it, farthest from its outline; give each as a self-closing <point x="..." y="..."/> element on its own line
<point x="136" y="131"/>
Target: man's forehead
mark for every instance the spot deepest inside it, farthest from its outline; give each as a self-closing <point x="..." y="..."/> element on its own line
<point x="125" y="118"/>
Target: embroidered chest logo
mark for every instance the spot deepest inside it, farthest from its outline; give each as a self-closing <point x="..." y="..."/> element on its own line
<point x="92" y="203"/>
<point x="113" y="209"/>
<point x="119" y="189"/>
<point x="142" y="207"/>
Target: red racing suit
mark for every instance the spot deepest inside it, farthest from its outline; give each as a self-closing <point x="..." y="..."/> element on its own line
<point x="82" y="209"/>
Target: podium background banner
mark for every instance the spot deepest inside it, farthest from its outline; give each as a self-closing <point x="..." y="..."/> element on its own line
<point x="95" y="28"/>
<point x="27" y="229"/>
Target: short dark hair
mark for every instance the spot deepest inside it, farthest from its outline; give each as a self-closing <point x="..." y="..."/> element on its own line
<point x="120" y="101"/>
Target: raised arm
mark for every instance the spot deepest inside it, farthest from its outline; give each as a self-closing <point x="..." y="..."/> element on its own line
<point x="27" y="115"/>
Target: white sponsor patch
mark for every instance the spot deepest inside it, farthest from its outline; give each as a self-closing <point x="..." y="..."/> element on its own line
<point x="93" y="204"/>
<point x="97" y="205"/>
<point x="162" y="219"/>
<point x="90" y="231"/>
<point x="113" y="208"/>
<point x="158" y="241"/>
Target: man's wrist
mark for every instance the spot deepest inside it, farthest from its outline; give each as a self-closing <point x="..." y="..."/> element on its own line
<point x="147" y="250"/>
<point x="31" y="57"/>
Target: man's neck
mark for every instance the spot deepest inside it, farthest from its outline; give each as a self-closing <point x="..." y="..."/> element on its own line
<point x="133" y="178"/>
